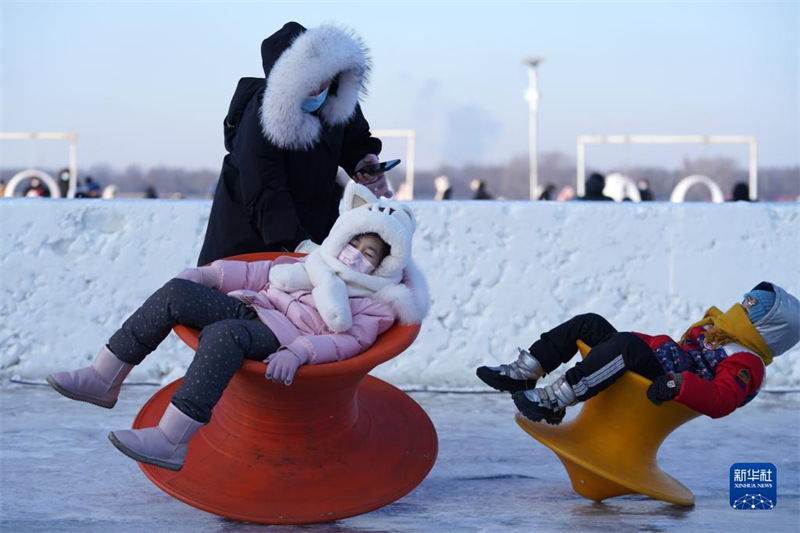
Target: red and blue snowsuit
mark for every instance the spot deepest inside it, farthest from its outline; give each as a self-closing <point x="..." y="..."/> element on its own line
<point x="715" y="381"/>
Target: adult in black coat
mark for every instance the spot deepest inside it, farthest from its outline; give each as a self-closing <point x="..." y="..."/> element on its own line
<point x="594" y="189"/>
<point x="277" y="190"/>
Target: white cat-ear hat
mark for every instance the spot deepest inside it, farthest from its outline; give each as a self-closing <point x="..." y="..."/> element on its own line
<point x="364" y="213"/>
<point x="396" y="280"/>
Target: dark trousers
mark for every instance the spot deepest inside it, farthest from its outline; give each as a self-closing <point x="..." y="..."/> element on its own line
<point x="612" y="354"/>
<point x="230" y="332"/>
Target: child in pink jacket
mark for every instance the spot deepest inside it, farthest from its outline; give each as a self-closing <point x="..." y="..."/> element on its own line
<point x="328" y="306"/>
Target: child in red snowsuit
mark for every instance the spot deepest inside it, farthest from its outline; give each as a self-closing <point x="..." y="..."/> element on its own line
<point x="717" y="366"/>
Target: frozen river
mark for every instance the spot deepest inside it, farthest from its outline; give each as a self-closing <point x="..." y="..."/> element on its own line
<point x="60" y="473"/>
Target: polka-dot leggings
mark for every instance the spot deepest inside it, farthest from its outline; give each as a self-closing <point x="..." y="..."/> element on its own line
<point x="230" y="332"/>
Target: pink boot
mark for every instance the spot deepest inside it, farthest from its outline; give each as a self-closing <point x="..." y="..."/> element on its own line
<point x="98" y="383"/>
<point x="164" y="445"/>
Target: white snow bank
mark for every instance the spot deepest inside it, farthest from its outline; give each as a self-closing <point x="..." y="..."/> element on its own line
<point x="499" y="272"/>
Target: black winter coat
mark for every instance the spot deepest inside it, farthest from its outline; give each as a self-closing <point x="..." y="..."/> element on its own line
<point x="275" y="192"/>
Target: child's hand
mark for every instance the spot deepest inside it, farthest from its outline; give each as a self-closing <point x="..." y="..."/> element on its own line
<point x="665" y="388"/>
<point x="281" y="366"/>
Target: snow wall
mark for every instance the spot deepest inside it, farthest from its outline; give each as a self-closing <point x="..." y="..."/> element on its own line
<point x="500" y="273"/>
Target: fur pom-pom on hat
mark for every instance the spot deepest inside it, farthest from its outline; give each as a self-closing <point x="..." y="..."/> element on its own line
<point x="396" y="280"/>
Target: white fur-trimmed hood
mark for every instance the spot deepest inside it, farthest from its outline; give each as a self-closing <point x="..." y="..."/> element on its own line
<point x="316" y="55"/>
<point x="396" y="280"/>
<point x="409" y="298"/>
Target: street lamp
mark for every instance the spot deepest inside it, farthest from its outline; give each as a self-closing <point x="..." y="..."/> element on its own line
<point x="532" y="96"/>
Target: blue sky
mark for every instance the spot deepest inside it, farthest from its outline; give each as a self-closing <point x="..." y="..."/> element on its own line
<point x="149" y="83"/>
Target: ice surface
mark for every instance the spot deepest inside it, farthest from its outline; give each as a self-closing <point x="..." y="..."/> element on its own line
<point x="59" y="473"/>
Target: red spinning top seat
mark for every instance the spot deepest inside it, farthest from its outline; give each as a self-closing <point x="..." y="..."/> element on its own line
<point x="336" y="443"/>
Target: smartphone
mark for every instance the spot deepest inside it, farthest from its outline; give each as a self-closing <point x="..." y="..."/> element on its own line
<point x="383" y="166"/>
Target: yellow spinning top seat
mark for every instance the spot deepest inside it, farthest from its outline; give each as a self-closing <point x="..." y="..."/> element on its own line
<point x="609" y="449"/>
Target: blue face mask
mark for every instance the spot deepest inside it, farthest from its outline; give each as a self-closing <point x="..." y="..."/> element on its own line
<point x="312" y="103"/>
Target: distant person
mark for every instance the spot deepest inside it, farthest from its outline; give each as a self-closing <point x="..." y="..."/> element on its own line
<point x="645" y="193"/>
<point x="2" y="188"/>
<point x="150" y="192"/>
<point x="741" y="192"/>
<point x="547" y="192"/>
<point x="443" y="189"/>
<point x="717" y="366"/>
<point x="92" y="188"/>
<point x="63" y="182"/>
<point x="80" y="190"/>
<point x="36" y="189"/>
<point x="594" y="189"/>
<point x="479" y="190"/>
<point x="110" y="192"/>
<point x="287" y="135"/>
<point x="566" y="194"/>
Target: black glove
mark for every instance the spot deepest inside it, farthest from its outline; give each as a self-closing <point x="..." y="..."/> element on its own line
<point x="664" y="388"/>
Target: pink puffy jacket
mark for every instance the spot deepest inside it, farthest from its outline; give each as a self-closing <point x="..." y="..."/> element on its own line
<point x="293" y="317"/>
